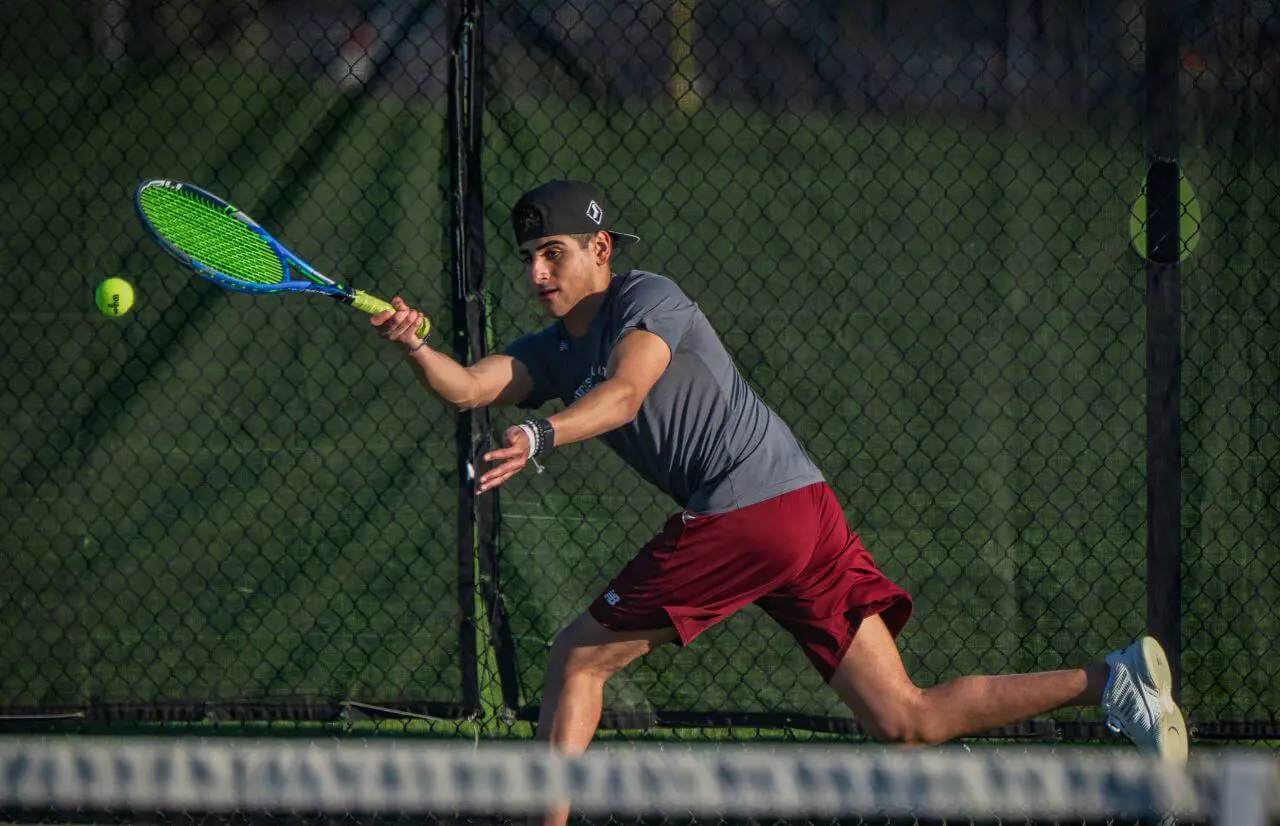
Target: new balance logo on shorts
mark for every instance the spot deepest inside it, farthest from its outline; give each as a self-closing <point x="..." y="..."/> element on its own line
<point x="612" y="597"/>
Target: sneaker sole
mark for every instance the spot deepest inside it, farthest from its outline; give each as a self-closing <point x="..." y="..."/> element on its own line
<point x="1171" y="740"/>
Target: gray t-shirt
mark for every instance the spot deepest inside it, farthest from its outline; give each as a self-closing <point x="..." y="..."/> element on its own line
<point x="702" y="436"/>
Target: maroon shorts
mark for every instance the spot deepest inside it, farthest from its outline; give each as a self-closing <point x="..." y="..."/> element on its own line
<point x="793" y="555"/>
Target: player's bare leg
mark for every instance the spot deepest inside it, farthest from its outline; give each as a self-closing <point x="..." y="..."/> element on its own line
<point x="872" y="681"/>
<point x="585" y="655"/>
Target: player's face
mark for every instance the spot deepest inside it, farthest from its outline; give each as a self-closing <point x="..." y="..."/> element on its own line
<point x="561" y="271"/>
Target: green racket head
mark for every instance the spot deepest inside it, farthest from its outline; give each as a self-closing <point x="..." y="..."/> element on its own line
<point x="226" y="246"/>
<point x="211" y="236"/>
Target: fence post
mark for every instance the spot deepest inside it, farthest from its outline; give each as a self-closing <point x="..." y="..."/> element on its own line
<point x="487" y="640"/>
<point x="467" y="265"/>
<point x="1164" y="341"/>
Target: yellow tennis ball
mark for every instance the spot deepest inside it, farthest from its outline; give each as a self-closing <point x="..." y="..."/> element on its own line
<point x="114" y="297"/>
<point x="1189" y="222"/>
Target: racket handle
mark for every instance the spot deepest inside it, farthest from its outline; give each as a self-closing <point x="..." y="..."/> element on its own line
<point x="366" y="303"/>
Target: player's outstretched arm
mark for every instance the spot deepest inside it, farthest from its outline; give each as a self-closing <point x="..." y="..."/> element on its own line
<point x="635" y="365"/>
<point x="494" y="380"/>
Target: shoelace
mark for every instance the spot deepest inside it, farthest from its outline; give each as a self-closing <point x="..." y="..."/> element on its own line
<point x="1129" y="692"/>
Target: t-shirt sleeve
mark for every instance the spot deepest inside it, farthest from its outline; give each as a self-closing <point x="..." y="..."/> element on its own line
<point x="654" y="303"/>
<point x="530" y="350"/>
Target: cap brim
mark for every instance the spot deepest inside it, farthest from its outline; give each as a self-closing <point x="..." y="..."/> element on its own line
<point x="623" y="239"/>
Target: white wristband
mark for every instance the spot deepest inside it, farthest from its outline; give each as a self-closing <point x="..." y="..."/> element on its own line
<point x="531" y="436"/>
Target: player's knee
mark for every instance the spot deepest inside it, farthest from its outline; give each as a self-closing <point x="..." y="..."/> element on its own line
<point x="904" y="731"/>
<point x="903" y="722"/>
<point x="571" y="658"/>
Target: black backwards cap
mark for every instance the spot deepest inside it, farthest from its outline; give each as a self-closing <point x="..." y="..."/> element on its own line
<point x="564" y="208"/>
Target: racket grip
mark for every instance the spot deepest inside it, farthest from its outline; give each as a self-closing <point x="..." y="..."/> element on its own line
<point x="372" y="305"/>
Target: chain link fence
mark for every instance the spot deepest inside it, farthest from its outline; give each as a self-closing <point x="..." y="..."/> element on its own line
<point x="918" y="227"/>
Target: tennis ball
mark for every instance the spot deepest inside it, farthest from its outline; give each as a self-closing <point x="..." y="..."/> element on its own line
<point x="1189" y="220"/>
<point x="114" y="297"/>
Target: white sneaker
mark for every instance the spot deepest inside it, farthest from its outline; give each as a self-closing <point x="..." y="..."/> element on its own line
<point x="1138" y="701"/>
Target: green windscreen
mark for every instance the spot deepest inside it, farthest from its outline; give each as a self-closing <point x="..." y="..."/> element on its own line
<point x="169" y="538"/>
<point x="208" y="235"/>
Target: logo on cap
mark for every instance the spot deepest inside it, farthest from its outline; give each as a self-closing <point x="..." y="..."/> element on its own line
<point x="528" y="219"/>
<point x="595" y="213"/>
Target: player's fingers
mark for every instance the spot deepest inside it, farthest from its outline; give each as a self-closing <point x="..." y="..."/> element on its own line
<point x="506" y="459"/>
<point x="411" y="321"/>
<point x="505" y="454"/>
<point x="390" y="320"/>
<point x="489" y="483"/>
<point x="509" y="448"/>
<point x="491" y="480"/>
<point x="403" y="325"/>
<point x="496" y="477"/>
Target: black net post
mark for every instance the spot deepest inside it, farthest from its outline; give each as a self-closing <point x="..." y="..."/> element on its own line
<point x="1164" y="344"/>
<point x="486" y="635"/>
<point x="467" y="261"/>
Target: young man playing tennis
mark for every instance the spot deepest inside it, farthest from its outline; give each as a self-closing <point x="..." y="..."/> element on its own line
<point x="638" y="365"/>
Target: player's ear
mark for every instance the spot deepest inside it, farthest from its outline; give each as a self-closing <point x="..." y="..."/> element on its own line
<point x="602" y="247"/>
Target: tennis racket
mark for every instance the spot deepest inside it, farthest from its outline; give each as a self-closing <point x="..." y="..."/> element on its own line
<point x="221" y="243"/>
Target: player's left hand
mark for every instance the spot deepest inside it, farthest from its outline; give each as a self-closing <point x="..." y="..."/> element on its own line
<point x="511" y="459"/>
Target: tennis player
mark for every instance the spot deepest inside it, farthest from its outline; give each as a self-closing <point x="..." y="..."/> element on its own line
<point x="636" y="364"/>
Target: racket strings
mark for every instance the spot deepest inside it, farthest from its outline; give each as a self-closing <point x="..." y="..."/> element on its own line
<point x="210" y="237"/>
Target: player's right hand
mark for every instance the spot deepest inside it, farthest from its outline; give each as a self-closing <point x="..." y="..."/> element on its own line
<point x="400" y="324"/>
